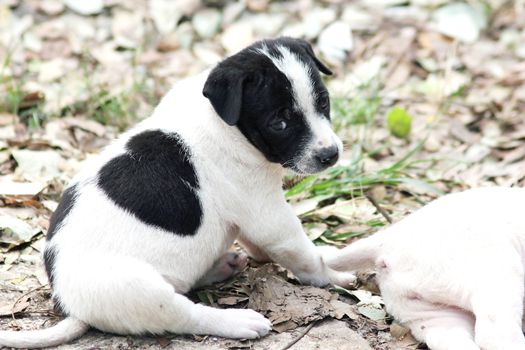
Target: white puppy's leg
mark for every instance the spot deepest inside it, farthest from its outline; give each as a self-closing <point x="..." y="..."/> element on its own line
<point x="227" y="266"/>
<point x="253" y="251"/>
<point x="441" y="327"/>
<point x="498" y="308"/>
<point x="445" y="329"/>
<point x="281" y="237"/>
<point x="127" y="296"/>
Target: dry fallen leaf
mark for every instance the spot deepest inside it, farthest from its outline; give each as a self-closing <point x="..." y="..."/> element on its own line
<point x="11" y="188"/>
<point x="288" y="306"/>
<point x="398" y="331"/>
<point x="7" y="309"/>
<point x="231" y="300"/>
<point x="14" y="231"/>
<point x="341" y="309"/>
<point x="354" y="210"/>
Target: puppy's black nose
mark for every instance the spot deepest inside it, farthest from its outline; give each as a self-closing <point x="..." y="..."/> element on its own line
<point x="328" y="156"/>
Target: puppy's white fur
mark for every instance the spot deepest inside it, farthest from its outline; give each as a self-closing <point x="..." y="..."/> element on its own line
<point x="454" y="270"/>
<point x="230" y="172"/>
<point x="121" y="275"/>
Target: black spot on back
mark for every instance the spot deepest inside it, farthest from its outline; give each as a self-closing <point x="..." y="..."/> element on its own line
<point x="49" y="262"/>
<point x="50" y="254"/>
<point x="64" y="207"/>
<point x="155" y="181"/>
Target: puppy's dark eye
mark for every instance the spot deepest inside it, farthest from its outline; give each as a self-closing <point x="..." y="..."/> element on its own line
<point x="281" y="119"/>
<point x="278" y="125"/>
<point x="285" y="114"/>
<point x="323" y="102"/>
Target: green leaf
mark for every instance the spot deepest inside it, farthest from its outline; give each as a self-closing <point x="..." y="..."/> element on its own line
<point x="399" y="122"/>
<point x="301" y="186"/>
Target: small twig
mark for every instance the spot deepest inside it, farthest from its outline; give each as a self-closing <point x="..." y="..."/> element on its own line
<point x="381" y="211"/>
<point x="20" y="298"/>
<point x="300" y="336"/>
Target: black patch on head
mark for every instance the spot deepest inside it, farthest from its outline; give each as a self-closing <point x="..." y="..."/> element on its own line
<point x="269" y="101"/>
<point x="156" y="182"/>
<point x="305" y="53"/>
<point x="301" y="47"/>
<point x="247" y="90"/>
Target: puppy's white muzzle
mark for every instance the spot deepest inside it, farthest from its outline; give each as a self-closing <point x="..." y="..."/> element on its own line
<point x="322" y="151"/>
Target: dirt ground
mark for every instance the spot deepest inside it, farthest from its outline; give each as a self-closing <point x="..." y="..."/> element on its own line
<point x="33" y="309"/>
<point x="428" y="97"/>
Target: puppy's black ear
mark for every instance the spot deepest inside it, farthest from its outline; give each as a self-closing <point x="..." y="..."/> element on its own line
<point x="322" y="68"/>
<point x="224" y="90"/>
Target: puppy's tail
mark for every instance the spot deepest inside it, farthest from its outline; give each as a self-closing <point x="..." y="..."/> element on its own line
<point x="359" y="255"/>
<point x="63" y="332"/>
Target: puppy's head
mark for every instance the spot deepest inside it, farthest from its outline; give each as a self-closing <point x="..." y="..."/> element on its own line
<point x="272" y="91"/>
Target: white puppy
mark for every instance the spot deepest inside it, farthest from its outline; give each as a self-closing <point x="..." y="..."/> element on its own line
<point x="453" y="271"/>
<point x="145" y="223"/>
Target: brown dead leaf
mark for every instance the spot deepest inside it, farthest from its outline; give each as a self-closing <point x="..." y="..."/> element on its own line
<point x="368" y="282"/>
<point x="515" y="155"/>
<point x="460" y="132"/>
<point x="433" y="41"/>
<point x="86" y="125"/>
<point x="231" y="300"/>
<point x="398" y="331"/>
<point x="288" y="306"/>
<point x="407" y="342"/>
<point x="20" y="137"/>
<point x="31" y="99"/>
<point x="8" y="119"/>
<point x="12" y="188"/>
<point x="8" y="308"/>
<point x="163" y="342"/>
<point x="341" y="309"/>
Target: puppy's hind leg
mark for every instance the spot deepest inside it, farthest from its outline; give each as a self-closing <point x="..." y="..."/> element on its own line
<point x="227" y="266"/>
<point x="253" y="251"/>
<point x="127" y="296"/>
<point x="498" y="308"/>
<point x="441" y="327"/>
<point x="446" y="329"/>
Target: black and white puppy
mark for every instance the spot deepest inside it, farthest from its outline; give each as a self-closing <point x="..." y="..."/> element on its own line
<point x="145" y="222"/>
<point x="453" y="271"/>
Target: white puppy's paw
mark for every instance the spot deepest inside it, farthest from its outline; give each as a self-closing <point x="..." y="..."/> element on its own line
<point x="314" y="279"/>
<point x="241" y="324"/>
<point x="342" y="279"/>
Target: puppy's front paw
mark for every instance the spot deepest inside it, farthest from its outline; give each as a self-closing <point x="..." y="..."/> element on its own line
<point x="342" y="279"/>
<point x="241" y="324"/>
<point x="314" y="280"/>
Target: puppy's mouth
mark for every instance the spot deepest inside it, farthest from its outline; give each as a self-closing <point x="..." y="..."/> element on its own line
<point x="306" y="168"/>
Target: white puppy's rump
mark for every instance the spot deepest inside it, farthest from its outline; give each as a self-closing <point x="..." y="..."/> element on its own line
<point x="453" y="271"/>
